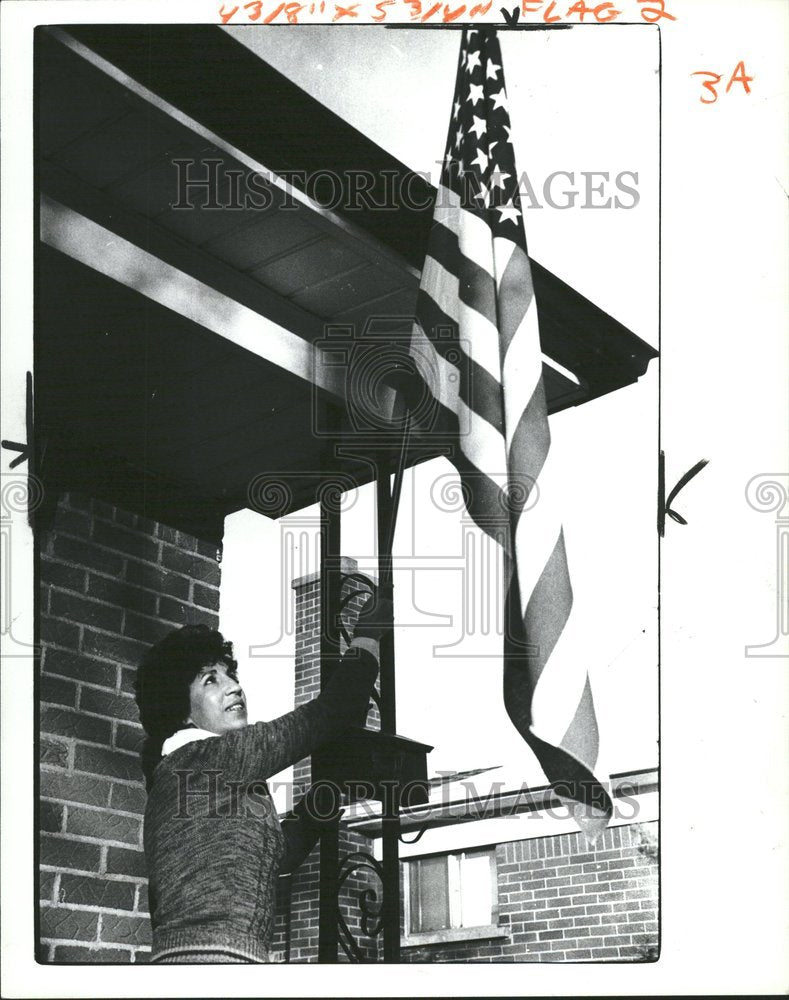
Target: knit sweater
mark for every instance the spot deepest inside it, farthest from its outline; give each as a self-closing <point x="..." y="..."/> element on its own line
<point x="214" y="845"/>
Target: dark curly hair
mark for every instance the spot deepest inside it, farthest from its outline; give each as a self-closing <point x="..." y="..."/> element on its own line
<point x="163" y="679"/>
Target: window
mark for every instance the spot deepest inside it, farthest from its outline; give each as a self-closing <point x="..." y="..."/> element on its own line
<point x="448" y="895"/>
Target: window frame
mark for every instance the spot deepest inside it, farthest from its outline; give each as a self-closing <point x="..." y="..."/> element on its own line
<point x="456" y="931"/>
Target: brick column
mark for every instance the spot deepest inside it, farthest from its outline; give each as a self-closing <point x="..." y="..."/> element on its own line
<point x="111" y="583"/>
<point x="304" y="885"/>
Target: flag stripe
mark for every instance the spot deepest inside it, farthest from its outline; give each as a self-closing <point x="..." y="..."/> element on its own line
<point x="470" y="298"/>
<point x="476" y="387"/>
<point x="477" y="285"/>
<point x="524" y="401"/>
<point x="559" y="688"/>
<point x="471" y="230"/>
<point x="529" y="449"/>
<point x="479" y="441"/>
<point x="582" y="737"/>
<point x="549" y="605"/>
<point x="536" y="531"/>
<point x="516" y="295"/>
<point x="487" y="501"/>
<point x="479" y="343"/>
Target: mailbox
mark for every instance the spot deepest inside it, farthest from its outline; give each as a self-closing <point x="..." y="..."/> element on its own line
<point x="367" y="764"/>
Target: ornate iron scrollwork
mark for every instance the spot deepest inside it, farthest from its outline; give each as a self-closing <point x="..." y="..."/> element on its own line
<point x="369" y="904"/>
<point x="370" y="589"/>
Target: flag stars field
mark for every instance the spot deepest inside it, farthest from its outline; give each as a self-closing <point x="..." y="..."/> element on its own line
<point x="482" y="167"/>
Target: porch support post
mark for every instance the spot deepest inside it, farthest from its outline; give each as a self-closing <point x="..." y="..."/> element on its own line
<point x="391" y="793"/>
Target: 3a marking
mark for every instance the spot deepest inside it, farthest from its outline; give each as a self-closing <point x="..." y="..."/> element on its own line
<point x="739" y="75"/>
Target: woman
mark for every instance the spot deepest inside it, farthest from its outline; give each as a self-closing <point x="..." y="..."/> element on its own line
<point x="214" y="845"/>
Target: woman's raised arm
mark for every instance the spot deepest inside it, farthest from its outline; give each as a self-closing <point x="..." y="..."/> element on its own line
<point x="266" y="748"/>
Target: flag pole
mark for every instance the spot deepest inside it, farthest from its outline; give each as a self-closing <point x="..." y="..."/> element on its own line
<point x="388" y="501"/>
<point x="387" y="504"/>
<point x="330" y="586"/>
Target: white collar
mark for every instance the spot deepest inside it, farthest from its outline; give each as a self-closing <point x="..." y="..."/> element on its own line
<point x="182" y="737"/>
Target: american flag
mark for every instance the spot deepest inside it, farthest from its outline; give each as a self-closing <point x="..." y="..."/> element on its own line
<point x="477" y="335"/>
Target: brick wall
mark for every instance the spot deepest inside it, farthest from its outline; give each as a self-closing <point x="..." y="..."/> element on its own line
<point x="561" y="901"/>
<point x="111" y="583"/>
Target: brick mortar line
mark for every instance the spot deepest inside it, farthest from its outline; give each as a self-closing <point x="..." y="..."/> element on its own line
<point x="90" y="945"/>
<point x="161" y="543"/>
<point x="61" y="561"/>
<point x="96" y="628"/>
<point x="133" y="782"/>
<point x="111" y="519"/>
<point x="93" y="944"/>
<point x="117" y="607"/>
<point x="180" y="548"/>
<point x="56" y="769"/>
<point x="83" y="838"/>
<point x="81" y="741"/>
<point x="75" y="651"/>
<point x="109" y="718"/>
<point x="85" y="711"/>
<point x="91" y="908"/>
<point x="109" y="876"/>
<point x="46" y="672"/>
<point x="161" y="619"/>
<point x="90" y="540"/>
<point x="93" y="656"/>
<point x="56" y="561"/>
<point x="91" y="807"/>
